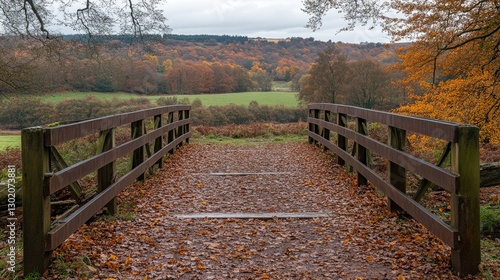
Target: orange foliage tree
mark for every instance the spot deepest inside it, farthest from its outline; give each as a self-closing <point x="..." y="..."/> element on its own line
<point x="453" y="65"/>
<point x="453" y="68"/>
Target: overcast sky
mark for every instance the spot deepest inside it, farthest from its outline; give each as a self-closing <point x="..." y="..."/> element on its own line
<point x="259" y="18"/>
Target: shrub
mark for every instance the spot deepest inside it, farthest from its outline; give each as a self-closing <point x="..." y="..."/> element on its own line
<point x="70" y="110"/>
<point x="490" y="218"/>
<point x="22" y="112"/>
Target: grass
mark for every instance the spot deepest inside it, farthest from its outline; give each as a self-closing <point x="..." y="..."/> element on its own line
<point x="272" y="98"/>
<point x="222" y="140"/>
<point x="6" y="141"/>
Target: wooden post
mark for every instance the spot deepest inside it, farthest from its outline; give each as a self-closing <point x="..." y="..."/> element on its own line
<point x="138" y="156"/>
<point x="171" y="133"/>
<point x="466" y="257"/>
<point x="180" y="129"/>
<point x="106" y="175"/>
<point x="316" y="127"/>
<point x="326" y="132"/>
<point x="158" y="141"/>
<point x="186" y="128"/>
<point x="36" y="203"/>
<point x="311" y="126"/>
<point x="362" y="128"/>
<point x="397" y="174"/>
<point x="341" y="140"/>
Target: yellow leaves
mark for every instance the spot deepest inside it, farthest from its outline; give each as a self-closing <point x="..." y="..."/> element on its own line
<point x="204" y="203"/>
<point x="369" y="258"/>
<point x="127" y="260"/>
<point x="319" y="230"/>
<point x="265" y="276"/>
<point x="112" y="257"/>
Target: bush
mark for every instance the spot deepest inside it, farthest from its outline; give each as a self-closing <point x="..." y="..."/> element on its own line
<point x="239" y="114"/>
<point x="490" y="218"/>
<point x="71" y="110"/>
<point x="22" y="112"/>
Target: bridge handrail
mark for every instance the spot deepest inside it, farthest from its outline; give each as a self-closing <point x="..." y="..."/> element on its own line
<point x="462" y="182"/>
<point x="40" y="181"/>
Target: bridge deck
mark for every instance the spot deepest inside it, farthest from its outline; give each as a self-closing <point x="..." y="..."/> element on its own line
<point x="347" y="234"/>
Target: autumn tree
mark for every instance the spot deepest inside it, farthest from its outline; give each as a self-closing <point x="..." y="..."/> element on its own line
<point x="326" y="78"/>
<point x="453" y="65"/>
<point x="368" y="85"/>
<point x="43" y="18"/>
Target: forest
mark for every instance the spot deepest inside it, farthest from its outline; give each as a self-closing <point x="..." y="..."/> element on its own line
<point x="173" y="64"/>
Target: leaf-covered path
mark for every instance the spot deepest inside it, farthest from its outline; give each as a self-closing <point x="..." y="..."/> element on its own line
<point x="146" y="240"/>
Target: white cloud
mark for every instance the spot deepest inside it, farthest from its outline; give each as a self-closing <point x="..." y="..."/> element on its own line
<point x="259" y="18"/>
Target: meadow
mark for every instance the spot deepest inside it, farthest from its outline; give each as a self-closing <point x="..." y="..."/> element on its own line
<point x="272" y="98"/>
<point x="12" y="141"/>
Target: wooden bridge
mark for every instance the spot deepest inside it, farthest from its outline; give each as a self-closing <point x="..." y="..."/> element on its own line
<point x="341" y="129"/>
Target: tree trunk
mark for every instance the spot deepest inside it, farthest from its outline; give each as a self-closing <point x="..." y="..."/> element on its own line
<point x="490" y="174"/>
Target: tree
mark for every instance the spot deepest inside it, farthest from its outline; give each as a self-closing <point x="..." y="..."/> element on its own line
<point x="368" y="84"/>
<point x="326" y="78"/>
<point x="98" y="17"/>
<point x="453" y="65"/>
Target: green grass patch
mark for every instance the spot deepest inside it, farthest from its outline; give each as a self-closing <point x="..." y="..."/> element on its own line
<point x="60" y="96"/>
<point x="13" y="141"/>
<point x="266" y="139"/>
<point x="272" y="98"/>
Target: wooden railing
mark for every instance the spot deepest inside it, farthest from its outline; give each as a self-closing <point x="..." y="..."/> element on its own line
<point x="45" y="172"/>
<point x="461" y="181"/>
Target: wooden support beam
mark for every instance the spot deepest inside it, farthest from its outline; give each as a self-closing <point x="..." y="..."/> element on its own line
<point x="36" y="205"/>
<point x="158" y="145"/>
<point x="138" y="156"/>
<point x="57" y="161"/>
<point x="362" y="152"/>
<point x="425" y="184"/>
<point x="466" y="257"/>
<point x="106" y="175"/>
<point x="341" y="140"/>
<point x="397" y="173"/>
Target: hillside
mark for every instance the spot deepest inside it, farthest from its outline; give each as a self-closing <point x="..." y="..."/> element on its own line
<point x="169" y="64"/>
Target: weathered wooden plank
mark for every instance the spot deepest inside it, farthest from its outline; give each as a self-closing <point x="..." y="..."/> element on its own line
<point x="435" y="225"/>
<point x="439" y="176"/>
<point x="438" y="129"/>
<point x="61" y="179"/>
<point x="69" y="225"/>
<point x="257" y="216"/>
<point x="60" y="134"/>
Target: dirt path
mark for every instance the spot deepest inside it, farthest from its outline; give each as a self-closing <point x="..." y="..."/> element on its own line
<point x="359" y="238"/>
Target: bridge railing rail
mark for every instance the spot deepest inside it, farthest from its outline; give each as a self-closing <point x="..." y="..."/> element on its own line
<point x="462" y="233"/>
<point x="45" y="172"/>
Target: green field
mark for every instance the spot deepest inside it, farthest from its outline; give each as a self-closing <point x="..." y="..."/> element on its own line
<point x="272" y="98"/>
<point x="9" y="141"/>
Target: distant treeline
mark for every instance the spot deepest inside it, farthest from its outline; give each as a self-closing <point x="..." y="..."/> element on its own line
<point x="204" y="38"/>
<point x="27" y="111"/>
<point x="166" y="64"/>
